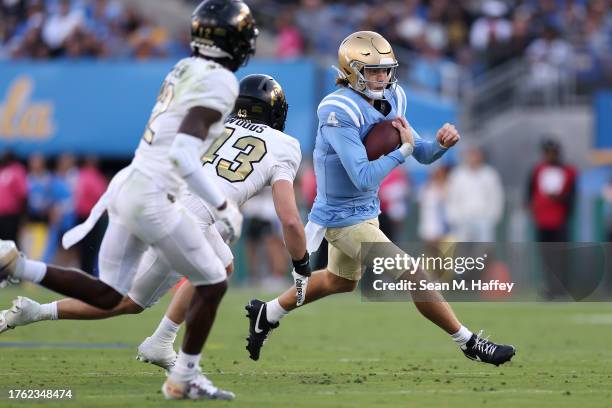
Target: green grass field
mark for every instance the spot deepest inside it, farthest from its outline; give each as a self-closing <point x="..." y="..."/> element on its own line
<point x="338" y="352"/>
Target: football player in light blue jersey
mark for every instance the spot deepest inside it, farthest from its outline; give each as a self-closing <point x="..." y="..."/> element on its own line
<point x="346" y="208"/>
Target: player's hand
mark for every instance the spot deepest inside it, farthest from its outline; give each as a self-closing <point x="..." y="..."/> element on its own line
<point x="448" y="136"/>
<point x="229" y="222"/>
<point x="404" y="129"/>
<point x="301" y="273"/>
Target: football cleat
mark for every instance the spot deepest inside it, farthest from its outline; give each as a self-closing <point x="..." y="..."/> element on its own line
<point x="259" y="327"/>
<point x="9" y="262"/>
<point x="482" y="349"/>
<point x="23" y="312"/>
<point x="200" y="387"/>
<point x="158" y="353"/>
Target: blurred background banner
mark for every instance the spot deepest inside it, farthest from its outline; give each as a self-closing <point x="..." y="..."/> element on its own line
<point x="101" y="107"/>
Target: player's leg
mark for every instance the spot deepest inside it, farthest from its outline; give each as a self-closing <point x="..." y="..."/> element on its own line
<point x="158" y="348"/>
<point x="187" y="251"/>
<point x="153" y="279"/>
<point x="25" y="311"/>
<point x="120" y="251"/>
<point x="321" y="284"/>
<point x="342" y="274"/>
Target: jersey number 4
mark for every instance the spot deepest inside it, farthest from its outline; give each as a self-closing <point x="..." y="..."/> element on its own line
<point x="253" y="150"/>
<point x="164" y="99"/>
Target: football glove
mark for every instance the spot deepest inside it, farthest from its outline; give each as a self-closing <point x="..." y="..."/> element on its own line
<point x="229" y="222"/>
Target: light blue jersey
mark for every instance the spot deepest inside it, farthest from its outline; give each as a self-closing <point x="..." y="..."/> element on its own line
<point x="347" y="183"/>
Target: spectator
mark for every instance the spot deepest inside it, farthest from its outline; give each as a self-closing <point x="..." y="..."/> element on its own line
<point x="549" y="57"/>
<point x="39" y="205"/>
<point x="393" y="194"/>
<point x="60" y="26"/>
<point x="289" y="39"/>
<point x="62" y="216"/>
<point x="39" y="189"/>
<point x="551" y="193"/>
<point x="475" y="199"/>
<point x="91" y="184"/>
<point x="433" y="223"/>
<point x="13" y="190"/>
<point x="490" y="33"/>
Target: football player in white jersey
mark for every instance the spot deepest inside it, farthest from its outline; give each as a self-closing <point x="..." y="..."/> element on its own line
<point x="253" y="153"/>
<point x="195" y="99"/>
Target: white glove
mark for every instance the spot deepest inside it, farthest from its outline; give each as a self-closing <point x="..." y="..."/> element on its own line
<point x="230" y="221"/>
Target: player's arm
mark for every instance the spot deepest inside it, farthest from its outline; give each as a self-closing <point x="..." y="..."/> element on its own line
<point x="185" y="153"/>
<point x="289" y="216"/>
<point x="211" y="96"/>
<point x="428" y="151"/>
<point x="364" y="174"/>
<point x="293" y="233"/>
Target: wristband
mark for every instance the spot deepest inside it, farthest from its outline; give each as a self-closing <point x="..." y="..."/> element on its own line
<point x="302" y="266"/>
<point x="406" y="149"/>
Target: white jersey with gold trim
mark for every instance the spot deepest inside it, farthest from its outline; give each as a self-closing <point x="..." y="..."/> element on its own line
<point x="247" y="158"/>
<point x="192" y="82"/>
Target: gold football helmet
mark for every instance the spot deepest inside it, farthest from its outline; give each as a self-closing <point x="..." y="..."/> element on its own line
<point x="366" y="50"/>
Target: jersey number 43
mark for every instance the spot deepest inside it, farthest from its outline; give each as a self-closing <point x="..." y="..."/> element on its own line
<point x="252" y="150"/>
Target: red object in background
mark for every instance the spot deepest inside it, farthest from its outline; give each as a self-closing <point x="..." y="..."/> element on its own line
<point x="13" y="188"/>
<point x="91" y="184"/>
<point x="290" y="43"/>
<point x="393" y="192"/>
<point x="552" y="193"/>
<point x="308" y="185"/>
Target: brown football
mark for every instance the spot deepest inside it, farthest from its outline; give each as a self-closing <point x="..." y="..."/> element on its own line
<point x="382" y="139"/>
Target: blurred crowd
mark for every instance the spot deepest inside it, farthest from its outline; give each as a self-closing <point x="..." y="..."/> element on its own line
<point x="40" y="202"/>
<point x="438" y="39"/>
<point x="435" y="39"/>
<point x="44" y="29"/>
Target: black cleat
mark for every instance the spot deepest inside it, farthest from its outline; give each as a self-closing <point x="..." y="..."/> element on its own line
<point x="484" y="350"/>
<point x="259" y="327"/>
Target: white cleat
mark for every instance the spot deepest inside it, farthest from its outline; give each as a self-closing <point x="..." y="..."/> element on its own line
<point x="23" y="312"/>
<point x="200" y="387"/>
<point x="158" y="353"/>
<point x="9" y="261"/>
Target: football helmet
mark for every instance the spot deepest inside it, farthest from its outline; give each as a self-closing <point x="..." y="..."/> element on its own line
<point x="366" y="50"/>
<point x="262" y="100"/>
<point x="224" y="30"/>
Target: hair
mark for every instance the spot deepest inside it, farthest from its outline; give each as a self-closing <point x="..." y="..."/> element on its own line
<point x="342" y="82"/>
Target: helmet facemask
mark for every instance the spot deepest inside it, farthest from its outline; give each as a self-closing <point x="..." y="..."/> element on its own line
<point x="374" y="89"/>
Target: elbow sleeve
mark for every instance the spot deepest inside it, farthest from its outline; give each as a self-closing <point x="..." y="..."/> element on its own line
<point x="184" y="154"/>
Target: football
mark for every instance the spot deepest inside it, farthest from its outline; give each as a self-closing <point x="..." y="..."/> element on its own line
<point x="382" y="139"/>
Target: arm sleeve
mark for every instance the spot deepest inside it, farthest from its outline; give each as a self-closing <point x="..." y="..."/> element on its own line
<point x="364" y="174"/>
<point x="426" y="151"/>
